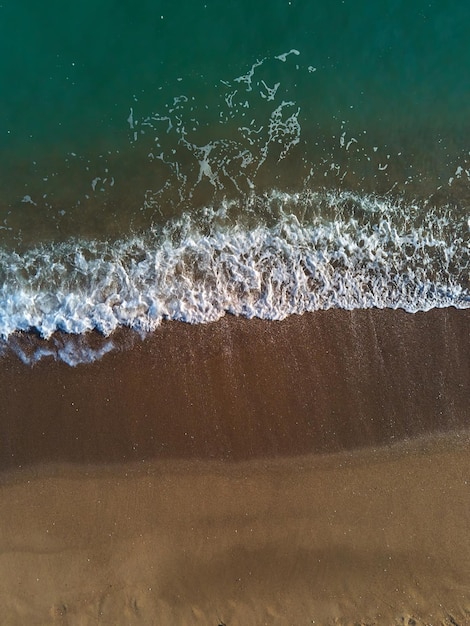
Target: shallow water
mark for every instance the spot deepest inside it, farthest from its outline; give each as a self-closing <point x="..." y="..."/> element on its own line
<point x="183" y="161"/>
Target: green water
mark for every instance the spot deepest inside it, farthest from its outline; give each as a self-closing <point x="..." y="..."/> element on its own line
<point x="78" y="79"/>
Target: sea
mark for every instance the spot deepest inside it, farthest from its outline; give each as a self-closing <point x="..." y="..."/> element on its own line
<point x="183" y="161"/>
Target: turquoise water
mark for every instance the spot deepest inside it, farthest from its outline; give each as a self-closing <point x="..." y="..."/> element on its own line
<point x="123" y="125"/>
<point x="71" y="72"/>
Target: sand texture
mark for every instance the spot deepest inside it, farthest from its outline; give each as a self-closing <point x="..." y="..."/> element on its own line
<point x="351" y="538"/>
<point x="312" y="471"/>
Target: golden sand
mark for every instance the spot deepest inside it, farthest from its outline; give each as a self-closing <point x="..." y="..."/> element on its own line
<point x="312" y="471"/>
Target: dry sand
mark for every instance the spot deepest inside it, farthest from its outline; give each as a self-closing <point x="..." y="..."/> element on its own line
<point x="315" y="470"/>
<point x="353" y="538"/>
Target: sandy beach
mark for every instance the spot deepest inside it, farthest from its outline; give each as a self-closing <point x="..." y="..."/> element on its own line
<point x="310" y="471"/>
<point x="235" y="313"/>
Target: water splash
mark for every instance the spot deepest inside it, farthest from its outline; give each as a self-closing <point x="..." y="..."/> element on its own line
<point x="282" y="254"/>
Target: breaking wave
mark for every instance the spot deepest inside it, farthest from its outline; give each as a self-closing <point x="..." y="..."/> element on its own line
<point x="281" y="254"/>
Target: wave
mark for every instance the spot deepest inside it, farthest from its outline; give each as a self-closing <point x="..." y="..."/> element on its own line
<point x="282" y="254"/>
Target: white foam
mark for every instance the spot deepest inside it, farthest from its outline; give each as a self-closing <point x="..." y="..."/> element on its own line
<point x="248" y="77"/>
<point x="28" y="200"/>
<point x="283" y="57"/>
<point x="70" y="349"/>
<point x="370" y="252"/>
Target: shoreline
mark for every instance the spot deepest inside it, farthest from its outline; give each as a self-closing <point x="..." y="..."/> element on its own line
<point x="239" y="389"/>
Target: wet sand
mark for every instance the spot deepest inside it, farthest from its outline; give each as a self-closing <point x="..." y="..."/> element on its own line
<point x="244" y="472"/>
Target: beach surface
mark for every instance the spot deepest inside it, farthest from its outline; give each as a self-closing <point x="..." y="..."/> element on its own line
<point x="314" y="470"/>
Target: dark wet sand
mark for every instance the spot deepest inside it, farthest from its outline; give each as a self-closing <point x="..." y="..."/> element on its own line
<point x="243" y="472"/>
<point x="242" y="389"/>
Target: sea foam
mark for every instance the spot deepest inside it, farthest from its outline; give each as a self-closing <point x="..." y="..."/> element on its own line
<point x="282" y="254"/>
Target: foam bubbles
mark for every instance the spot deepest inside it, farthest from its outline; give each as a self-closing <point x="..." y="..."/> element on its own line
<point x="309" y="251"/>
<point x="283" y="57"/>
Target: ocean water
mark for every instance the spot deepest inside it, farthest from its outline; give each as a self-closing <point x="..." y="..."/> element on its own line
<point x="182" y="161"/>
